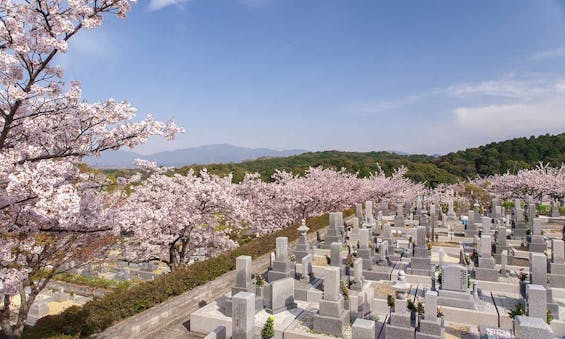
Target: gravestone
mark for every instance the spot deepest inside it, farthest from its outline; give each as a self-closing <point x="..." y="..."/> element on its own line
<point x="357" y="275"/>
<point x="383" y="253"/>
<point x="365" y="252"/>
<point x="501" y="244"/>
<point x="399" y="220"/>
<point x="530" y="211"/>
<point x="537" y="242"/>
<point x="60" y="295"/>
<point x="280" y="296"/>
<point x="331" y="318"/>
<point x="420" y="263"/>
<point x="557" y="266"/>
<point x="486" y="222"/>
<point x="538" y="269"/>
<point x="243" y="319"/>
<point x="354" y="234"/>
<point x="537" y="301"/>
<point x="454" y="290"/>
<point x="335" y="258"/>
<point x="471" y="227"/>
<point x="306" y="273"/>
<point x="333" y="234"/>
<point x="486" y="270"/>
<point x="451" y="215"/>
<point x="282" y="267"/>
<point x="555" y="210"/>
<point x="369" y="217"/>
<point x="430" y="326"/>
<point x="340" y="225"/>
<point x="433" y="227"/>
<point x="359" y="213"/>
<point x="387" y="236"/>
<point x="243" y="283"/>
<point x="504" y="262"/>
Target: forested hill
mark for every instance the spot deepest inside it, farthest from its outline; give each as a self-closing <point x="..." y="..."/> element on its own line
<point x="509" y="155"/>
<point x="490" y="159"/>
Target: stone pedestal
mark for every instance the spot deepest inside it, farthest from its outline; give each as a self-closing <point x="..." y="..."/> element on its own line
<point x="363" y="329"/>
<point x="528" y="327"/>
<point x="303" y="247"/>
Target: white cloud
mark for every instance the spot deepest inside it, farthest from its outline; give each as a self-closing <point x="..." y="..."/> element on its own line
<point x="520" y="118"/>
<point x="375" y="107"/>
<point x="155" y="5"/>
<point x="537" y="103"/>
<point x="510" y="86"/>
<point x="549" y="54"/>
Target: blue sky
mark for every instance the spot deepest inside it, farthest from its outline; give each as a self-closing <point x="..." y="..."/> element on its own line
<point x="414" y="76"/>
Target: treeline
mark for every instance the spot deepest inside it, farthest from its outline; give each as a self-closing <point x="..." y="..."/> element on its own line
<point x="501" y="157"/>
<point x="494" y="158"/>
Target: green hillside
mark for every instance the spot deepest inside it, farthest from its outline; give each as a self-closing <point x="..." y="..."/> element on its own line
<point x="509" y="155"/>
<point x="499" y="157"/>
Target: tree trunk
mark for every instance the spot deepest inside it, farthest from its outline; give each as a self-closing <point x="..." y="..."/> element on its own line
<point x="5" y="316"/>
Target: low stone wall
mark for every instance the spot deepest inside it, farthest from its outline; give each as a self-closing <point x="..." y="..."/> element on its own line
<point x="177" y="309"/>
<point x="77" y="289"/>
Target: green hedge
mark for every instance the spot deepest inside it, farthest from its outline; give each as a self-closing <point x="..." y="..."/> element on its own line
<point x="99" y="314"/>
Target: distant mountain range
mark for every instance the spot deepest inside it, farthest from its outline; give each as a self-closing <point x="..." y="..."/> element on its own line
<point x="201" y="155"/>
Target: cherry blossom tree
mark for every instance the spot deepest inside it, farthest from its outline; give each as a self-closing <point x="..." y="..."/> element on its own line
<point x="319" y="190"/>
<point x="538" y="182"/>
<point x="172" y="217"/>
<point x="269" y="204"/>
<point x="49" y="208"/>
<point x="396" y="188"/>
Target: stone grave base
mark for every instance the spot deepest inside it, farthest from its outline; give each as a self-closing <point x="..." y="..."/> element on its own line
<point x="556" y="280"/>
<point x="310" y="292"/>
<point x="397" y="332"/>
<point x="414" y="271"/>
<point x="226" y="305"/>
<point x="207" y="318"/>
<point x="378" y="273"/>
<point x="456" y="299"/>
<point x="331" y="325"/>
<point x="420" y="335"/>
<point x="527" y="327"/>
<point x="471" y="233"/>
<point x="557" y="269"/>
<point x="487" y="274"/>
<point x="281" y="270"/>
<point x="431" y="328"/>
<point x="538" y="248"/>
<point x="288" y="307"/>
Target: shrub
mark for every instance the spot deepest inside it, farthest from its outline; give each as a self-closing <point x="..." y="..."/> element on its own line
<point x="518" y="310"/>
<point x="390" y="301"/>
<point x="344" y="289"/>
<point x="410" y="306"/>
<point x="101" y="313"/>
<point x="268" y="330"/>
